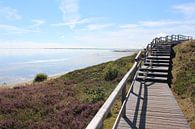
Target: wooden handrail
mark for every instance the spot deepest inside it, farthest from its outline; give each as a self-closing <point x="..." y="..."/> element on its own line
<point x="123" y="107"/>
<point x="97" y="121"/>
<point x="169" y="39"/>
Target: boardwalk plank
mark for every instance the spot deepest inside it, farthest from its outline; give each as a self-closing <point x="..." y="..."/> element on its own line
<point x="152" y="106"/>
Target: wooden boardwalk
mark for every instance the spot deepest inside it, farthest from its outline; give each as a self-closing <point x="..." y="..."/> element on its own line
<point x="152" y="105"/>
<point x="149" y="102"/>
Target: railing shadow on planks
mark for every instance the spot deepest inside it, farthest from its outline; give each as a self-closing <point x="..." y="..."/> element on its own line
<point x="98" y="119"/>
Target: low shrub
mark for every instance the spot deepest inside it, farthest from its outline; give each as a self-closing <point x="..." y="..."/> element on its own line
<point x="111" y="73"/>
<point x="40" y="77"/>
<point x="95" y="95"/>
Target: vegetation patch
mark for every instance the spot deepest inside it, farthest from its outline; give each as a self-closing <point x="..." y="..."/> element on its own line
<point x="111" y="72"/>
<point x="40" y="77"/>
<point x="95" y="95"/>
<point x="69" y="101"/>
<point x="183" y="83"/>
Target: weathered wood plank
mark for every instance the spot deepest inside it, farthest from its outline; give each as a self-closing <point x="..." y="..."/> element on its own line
<point x="152" y="106"/>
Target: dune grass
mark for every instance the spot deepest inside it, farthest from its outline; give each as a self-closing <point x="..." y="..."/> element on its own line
<point x="69" y="101"/>
<point x="183" y="83"/>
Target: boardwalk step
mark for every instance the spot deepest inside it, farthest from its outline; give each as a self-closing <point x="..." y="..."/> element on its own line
<point x="151" y="78"/>
<point x="168" y="45"/>
<point x="165" y="50"/>
<point x="162" y="47"/>
<point x="161" y="51"/>
<point x="159" y="57"/>
<point x="155" y="69"/>
<point x="160" y="54"/>
<point x="156" y="64"/>
<point x="157" y="61"/>
<point x="157" y="74"/>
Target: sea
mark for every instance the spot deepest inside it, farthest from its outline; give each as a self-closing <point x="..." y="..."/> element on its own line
<point x="21" y="65"/>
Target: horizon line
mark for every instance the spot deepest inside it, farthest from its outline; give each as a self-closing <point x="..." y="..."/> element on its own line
<point x="73" y="48"/>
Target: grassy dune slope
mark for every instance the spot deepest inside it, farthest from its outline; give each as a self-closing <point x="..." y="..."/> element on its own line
<point x="69" y="101"/>
<point x="184" y="79"/>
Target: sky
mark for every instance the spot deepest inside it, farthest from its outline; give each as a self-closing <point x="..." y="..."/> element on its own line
<point x="92" y="23"/>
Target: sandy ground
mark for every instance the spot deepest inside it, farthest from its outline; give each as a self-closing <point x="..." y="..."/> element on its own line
<point x="26" y="83"/>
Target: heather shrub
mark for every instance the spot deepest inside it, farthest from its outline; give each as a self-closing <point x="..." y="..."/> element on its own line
<point x="111" y="73"/>
<point x="40" y="77"/>
<point x="10" y="124"/>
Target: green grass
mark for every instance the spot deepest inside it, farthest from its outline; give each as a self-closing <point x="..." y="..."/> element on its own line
<point x="109" y="121"/>
<point x="93" y="78"/>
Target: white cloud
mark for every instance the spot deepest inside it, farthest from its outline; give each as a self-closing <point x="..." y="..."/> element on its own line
<point x="155" y="24"/>
<point x="72" y="18"/>
<point x="70" y="11"/>
<point x="10" y="13"/>
<point x="128" y="26"/>
<point x="12" y="29"/>
<point x="99" y="26"/>
<point x="136" y="35"/>
<point x="188" y="9"/>
<point x="24" y="44"/>
<point x="33" y="44"/>
<point x="89" y="23"/>
<point x="161" y="34"/>
<point x="158" y="23"/>
<point x="122" y="36"/>
<point x="38" y="22"/>
<point x="72" y="24"/>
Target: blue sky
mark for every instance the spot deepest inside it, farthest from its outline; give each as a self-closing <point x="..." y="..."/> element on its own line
<point x="92" y="23"/>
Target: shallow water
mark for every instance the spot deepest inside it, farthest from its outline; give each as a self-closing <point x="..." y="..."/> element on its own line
<point x="19" y="65"/>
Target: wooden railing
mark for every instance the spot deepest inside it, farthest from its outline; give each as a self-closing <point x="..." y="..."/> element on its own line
<point x="174" y="39"/>
<point x="97" y="121"/>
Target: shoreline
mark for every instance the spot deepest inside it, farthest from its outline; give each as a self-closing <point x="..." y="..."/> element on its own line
<point x="54" y="76"/>
<point x="30" y="81"/>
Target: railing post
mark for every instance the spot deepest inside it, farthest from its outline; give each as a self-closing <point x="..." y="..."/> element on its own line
<point x="167" y="39"/>
<point x="123" y="97"/>
<point x="101" y="125"/>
